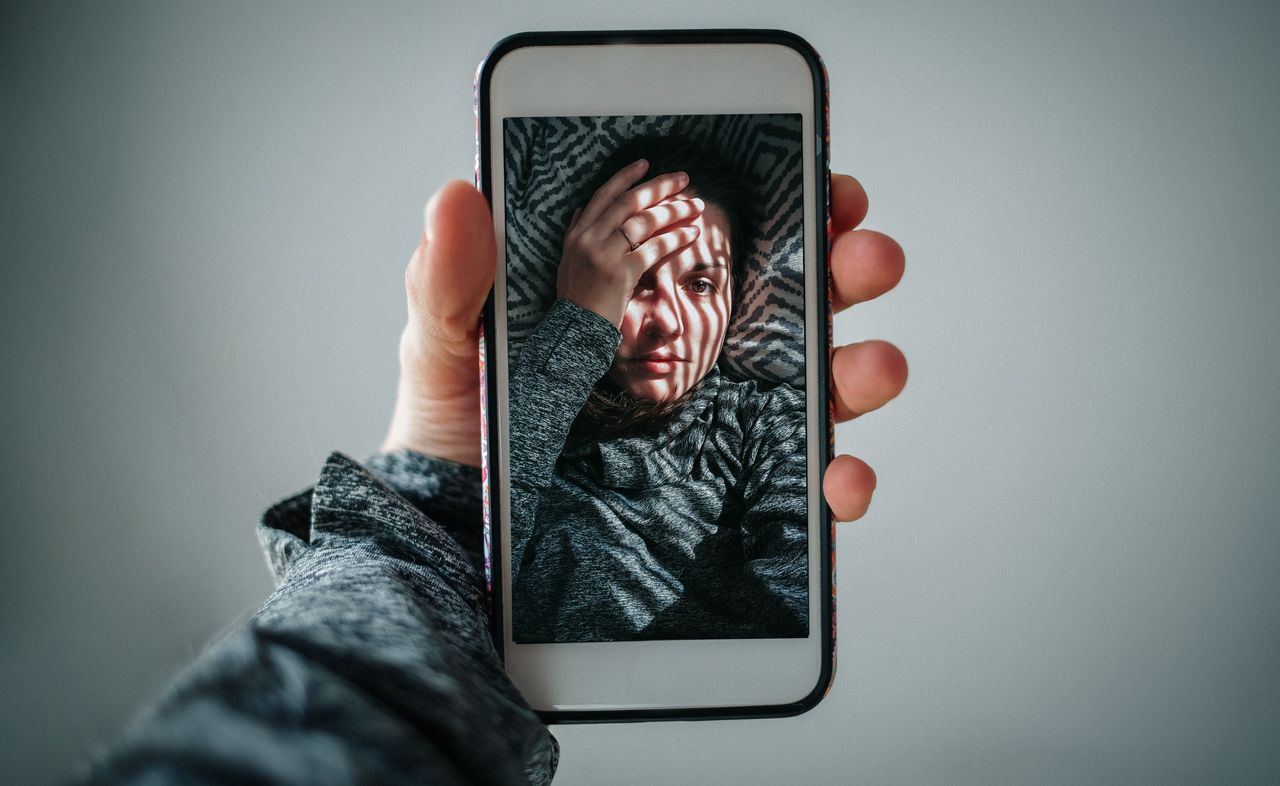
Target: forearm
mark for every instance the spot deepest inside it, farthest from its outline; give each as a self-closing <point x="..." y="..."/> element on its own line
<point x="561" y="361"/>
<point x="371" y="662"/>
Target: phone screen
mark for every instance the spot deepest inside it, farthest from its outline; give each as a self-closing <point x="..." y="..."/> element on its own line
<point x="657" y="469"/>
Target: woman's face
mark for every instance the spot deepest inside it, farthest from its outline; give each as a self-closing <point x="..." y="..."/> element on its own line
<point x="675" y="323"/>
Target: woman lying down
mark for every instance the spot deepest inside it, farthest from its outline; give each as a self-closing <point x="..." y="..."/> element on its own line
<point x="652" y="497"/>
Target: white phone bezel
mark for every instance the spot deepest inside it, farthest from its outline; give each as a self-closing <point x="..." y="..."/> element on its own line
<point x="636" y="79"/>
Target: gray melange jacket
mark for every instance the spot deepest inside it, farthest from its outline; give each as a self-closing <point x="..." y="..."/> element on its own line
<point x="697" y="531"/>
<point x="370" y="663"/>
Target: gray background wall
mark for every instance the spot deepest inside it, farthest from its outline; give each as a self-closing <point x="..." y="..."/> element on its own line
<point x="1069" y="571"/>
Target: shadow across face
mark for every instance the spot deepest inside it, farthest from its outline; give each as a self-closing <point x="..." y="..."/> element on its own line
<point x="675" y="324"/>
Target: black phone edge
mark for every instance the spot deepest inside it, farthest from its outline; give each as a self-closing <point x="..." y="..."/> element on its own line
<point x="826" y="448"/>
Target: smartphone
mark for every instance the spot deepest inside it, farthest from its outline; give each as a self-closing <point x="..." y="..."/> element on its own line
<point x="657" y="407"/>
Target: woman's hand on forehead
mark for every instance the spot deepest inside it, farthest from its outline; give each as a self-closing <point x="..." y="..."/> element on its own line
<point x="624" y="230"/>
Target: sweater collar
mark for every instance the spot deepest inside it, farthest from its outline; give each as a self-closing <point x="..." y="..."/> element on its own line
<point x="635" y="462"/>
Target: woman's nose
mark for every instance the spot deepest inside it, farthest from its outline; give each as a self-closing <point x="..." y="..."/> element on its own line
<point x="662" y="316"/>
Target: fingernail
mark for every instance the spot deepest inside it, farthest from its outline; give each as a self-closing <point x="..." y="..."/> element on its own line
<point x="698" y="203"/>
<point x="640" y="164"/>
<point x="683" y="177"/>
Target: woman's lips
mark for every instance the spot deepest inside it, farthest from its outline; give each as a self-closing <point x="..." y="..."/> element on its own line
<point x="658" y="363"/>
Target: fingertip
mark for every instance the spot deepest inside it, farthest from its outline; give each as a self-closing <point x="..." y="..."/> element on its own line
<point x="887" y="362"/>
<point x="868" y="375"/>
<point x="449" y="200"/>
<point x="865" y="264"/>
<point x="459" y="208"/>
<point x="848" y="485"/>
<point x="455" y="264"/>
<point x="895" y="262"/>
<point x="849" y="202"/>
<point x="431" y="212"/>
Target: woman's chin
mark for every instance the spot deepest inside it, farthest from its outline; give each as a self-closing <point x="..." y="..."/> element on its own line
<point x="653" y="393"/>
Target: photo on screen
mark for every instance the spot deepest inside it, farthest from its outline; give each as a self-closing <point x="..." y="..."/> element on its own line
<point x="656" y="386"/>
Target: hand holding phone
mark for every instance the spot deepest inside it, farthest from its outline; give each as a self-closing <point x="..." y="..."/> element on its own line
<point x="456" y="251"/>
<point x="455" y="263"/>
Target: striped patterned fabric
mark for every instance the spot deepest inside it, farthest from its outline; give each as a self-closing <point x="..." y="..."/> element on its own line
<point x="546" y="159"/>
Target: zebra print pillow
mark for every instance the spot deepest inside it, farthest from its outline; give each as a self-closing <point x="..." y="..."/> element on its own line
<point x="766" y="338"/>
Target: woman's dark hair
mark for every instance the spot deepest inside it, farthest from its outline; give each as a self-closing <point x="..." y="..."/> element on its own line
<point x="711" y="176"/>
<point x="609" y="410"/>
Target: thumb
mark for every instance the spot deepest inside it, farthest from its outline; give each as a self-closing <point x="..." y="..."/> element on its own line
<point x="451" y="273"/>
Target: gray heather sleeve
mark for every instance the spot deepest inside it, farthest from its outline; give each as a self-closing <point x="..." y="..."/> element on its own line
<point x="370" y="663"/>
<point x="775" y="523"/>
<point x="564" y="357"/>
<point x="446" y="492"/>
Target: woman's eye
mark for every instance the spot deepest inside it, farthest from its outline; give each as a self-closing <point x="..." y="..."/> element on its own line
<point x="701" y="286"/>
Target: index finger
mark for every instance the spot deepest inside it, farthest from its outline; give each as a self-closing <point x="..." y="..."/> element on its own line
<point x="611" y="190"/>
<point x="643" y="196"/>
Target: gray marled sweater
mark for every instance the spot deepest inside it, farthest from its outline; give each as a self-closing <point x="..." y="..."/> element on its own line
<point x="371" y="662"/>
<point x="696" y="531"/>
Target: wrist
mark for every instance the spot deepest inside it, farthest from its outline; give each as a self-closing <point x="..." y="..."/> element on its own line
<point x="418" y="426"/>
<point x="437" y="409"/>
<point x="608" y="308"/>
